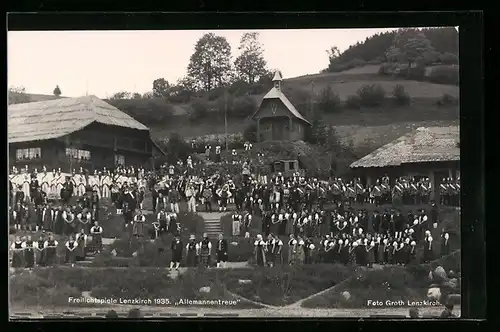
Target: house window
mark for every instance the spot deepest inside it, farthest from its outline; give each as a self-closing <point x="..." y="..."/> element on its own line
<point x="299" y="128"/>
<point x="119" y="160"/>
<point x="291" y="165"/>
<point x="78" y="154"/>
<point x="28" y="154"/>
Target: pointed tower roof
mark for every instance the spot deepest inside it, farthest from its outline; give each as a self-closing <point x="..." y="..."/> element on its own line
<point x="277" y="76"/>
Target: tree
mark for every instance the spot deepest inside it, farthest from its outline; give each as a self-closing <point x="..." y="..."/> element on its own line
<point x="333" y="53"/>
<point x="136" y="96"/>
<point x="161" y="88"/>
<point x="121" y="95"/>
<point x="250" y="64"/>
<point x="57" y="91"/>
<point x="329" y="101"/>
<point x="408" y="46"/>
<point x="177" y="148"/>
<point x="210" y="64"/>
<point x="17" y="95"/>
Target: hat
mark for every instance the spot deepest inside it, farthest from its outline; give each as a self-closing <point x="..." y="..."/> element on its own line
<point x="205" y="235"/>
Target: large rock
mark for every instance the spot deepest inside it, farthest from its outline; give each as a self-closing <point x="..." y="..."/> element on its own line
<point x="434" y="294"/>
<point x="234" y="243"/>
<point x="244" y="281"/>
<point x="346" y="295"/>
<point x="206" y="289"/>
<point x="439" y="275"/>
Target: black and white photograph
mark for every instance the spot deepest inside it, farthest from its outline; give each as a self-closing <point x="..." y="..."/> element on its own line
<point x="234" y="173"/>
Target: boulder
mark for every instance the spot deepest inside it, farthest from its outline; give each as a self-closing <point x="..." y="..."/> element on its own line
<point x="244" y="281"/>
<point x="451" y="274"/>
<point x="234" y="243"/>
<point x="206" y="289"/>
<point x="346" y="295"/>
<point x="439" y="275"/>
<point x="434" y="294"/>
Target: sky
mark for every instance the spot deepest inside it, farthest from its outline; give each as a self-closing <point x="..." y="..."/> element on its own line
<point x="104" y="62"/>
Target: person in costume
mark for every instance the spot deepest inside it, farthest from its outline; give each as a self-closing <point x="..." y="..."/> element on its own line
<point x="96" y="233"/>
<point x="81" y="240"/>
<point x="50" y="247"/>
<point x="29" y="253"/>
<point x="205" y="251"/>
<point x="260" y="251"/>
<point x="177" y="248"/>
<point x="192" y="251"/>
<point x="17" y="248"/>
<point x="71" y="252"/>
<point x="221" y="251"/>
<point x="39" y="247"/>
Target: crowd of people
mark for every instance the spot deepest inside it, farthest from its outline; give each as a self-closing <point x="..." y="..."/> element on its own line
<point x="291" y="205"/>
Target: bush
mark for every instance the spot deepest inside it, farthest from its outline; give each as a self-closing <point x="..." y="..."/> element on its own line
<point x="216" y="93"/>
<point x="353" y="102"/>
<point x="371" y="95"/>
<point x="444" y="75"/>
<point x="239" y="88"/>
<point x="329" y="101"/>
<point x="401" y="96"/>
<point x="198" y="110"/>
<point x="414" y="73"/>
<point x="448" y="59"/>
<point x="250" y="133"/>
<point x="447" y="100"/>
<point x="243" y="107"/>
<point x="386" y="69"/>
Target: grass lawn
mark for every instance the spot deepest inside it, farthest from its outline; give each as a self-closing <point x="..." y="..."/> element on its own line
<point x="52" y="287"/>
<point x="283" y="285"/>
<point x="391" y="283"/>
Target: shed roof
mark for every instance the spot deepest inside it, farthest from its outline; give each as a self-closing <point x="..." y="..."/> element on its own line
<point x="51" y="119"/>
<point x="429" y="144"/>
<point x="278" y="94"/>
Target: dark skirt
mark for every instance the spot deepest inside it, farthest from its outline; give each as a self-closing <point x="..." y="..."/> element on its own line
<point x="51" y="256"/>
<point x="85" y="226"/>
<point x="17" y="259"/>
<point x="40" y="257"/>
<point x="176" y="256"/>
<point x="29" y="257"/>
<point x="59" y="226"/>
<point x="192" y="259"/>
<point x="204" y="258"/>
<point x="138" y="229"/>
<point x="96" y="242"/>
<point x="70" y="256"/>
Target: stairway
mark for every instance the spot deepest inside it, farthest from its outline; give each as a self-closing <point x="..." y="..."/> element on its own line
<point x="212" y="223"/>
<point x="89" y="257"/>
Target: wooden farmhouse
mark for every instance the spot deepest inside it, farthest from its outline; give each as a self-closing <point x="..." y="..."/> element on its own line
<point x="76" y="132"/>
<point x="432" y="152"/>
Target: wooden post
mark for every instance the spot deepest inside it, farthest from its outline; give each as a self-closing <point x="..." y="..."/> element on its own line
<point x="435" y="183"/>
<point x="369" y="180"/>
<point x="258" y="130"/>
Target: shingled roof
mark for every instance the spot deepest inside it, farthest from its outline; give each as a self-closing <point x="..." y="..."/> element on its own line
<point x="278" y="94"/>
<point x="56" y="118"/>
<point x="429" y="144"/>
